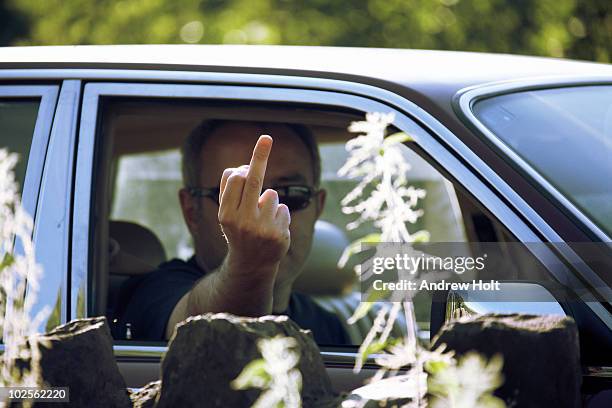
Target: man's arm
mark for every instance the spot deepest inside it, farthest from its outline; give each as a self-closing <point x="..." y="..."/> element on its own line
<point x="257" y="232"/>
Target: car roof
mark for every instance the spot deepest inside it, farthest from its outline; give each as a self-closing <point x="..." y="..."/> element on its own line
<point x="412" y="68"/>
<point x="428" y="78"/>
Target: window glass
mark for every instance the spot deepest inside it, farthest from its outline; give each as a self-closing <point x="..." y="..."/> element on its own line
<point x="147" y="184"/>
<point x="146" y="193"/>
<point x="17" y="122"/>
<point x="566" y="135"/>
<point x="442" y="217"/>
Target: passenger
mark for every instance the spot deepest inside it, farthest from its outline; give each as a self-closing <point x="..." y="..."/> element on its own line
<point x="249" y="246"/>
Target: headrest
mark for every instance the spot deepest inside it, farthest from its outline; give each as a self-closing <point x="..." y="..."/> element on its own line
<point x="321" y="275"/>
<point x="134" y="249"/>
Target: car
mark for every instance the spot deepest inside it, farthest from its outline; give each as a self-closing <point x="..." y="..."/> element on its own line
<point x="509" y="148"/>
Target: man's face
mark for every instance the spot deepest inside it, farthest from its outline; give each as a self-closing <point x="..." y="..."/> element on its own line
<point x="231" y="145"/>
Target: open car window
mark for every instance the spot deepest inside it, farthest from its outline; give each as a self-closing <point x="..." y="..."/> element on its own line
<point x="142" y="175"/>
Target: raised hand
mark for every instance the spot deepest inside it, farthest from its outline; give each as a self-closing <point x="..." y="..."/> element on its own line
<point x="256" y="226"/>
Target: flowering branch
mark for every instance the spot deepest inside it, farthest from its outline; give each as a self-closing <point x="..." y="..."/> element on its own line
<point x="376" y="159"/>
<point x="390" y="206"/>
<point x="275" y="373"/>
<point x="19" y="273"/>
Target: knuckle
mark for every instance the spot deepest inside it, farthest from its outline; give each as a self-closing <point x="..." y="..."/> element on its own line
<point x="269" y="198"/>
<point x="272" y="193"/>
<point x="274" y="236"/>
<point x="283" y="213"/>
<point x="254" y="182"/>
<point x="249" y="225"/>
<point x="279" y="234"/>
<point x="234" y="178"/>
<point x="247" y="229"/>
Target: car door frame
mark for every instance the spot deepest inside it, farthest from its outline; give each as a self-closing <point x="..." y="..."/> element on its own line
<point x="429" y="134"/>
<point x="48" y="95"/>
<point x="41" y="169"/>
<point x="465" y="100"/>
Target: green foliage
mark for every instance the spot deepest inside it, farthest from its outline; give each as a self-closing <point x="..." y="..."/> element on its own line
<point x="364" y="307"/>
<point x="355" y="247"/>
<point x="276" y="374"/>
<point x="569" y="28"/>
<point x="399" y="137"/>
<point x="13" y="24"/>
<point x="7" y="260"/>
<point x="376" y="347"/>
<point x="254" y="375"/>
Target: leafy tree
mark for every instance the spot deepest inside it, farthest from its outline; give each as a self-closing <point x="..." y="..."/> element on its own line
<point x="562" y="28"/>
<point x="591" y="25"/>
<point x="13" y="24"/>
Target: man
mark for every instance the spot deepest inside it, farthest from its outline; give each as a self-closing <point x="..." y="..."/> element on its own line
<point x="249" y="246"/>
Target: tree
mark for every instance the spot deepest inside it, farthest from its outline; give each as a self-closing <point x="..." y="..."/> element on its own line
<point x="561" y="28"/>
<point x="13" y="24"/>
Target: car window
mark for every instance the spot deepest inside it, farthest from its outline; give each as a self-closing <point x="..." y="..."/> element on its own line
<point x="573" y="127"/>
<point x="146" y="192"/>
<point x="17" y="122"/>
<point x="147" y="183"/>
<point x="442" y="215"/>
<point x="143" y="138"/>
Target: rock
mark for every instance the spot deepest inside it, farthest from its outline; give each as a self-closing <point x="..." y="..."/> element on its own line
<point x="145" y="396"/>
<point x="208" y="351"/>
<point x="79" y="355"/>
<point x="541" y="355"/>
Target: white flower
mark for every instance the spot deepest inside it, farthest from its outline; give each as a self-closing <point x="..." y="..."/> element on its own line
<point x="275" y="373"/>
<point x="467" y="383"/>
<point x="18" y="272"/>
<point x="379" y="165"/>
<point x="391" y="204"/>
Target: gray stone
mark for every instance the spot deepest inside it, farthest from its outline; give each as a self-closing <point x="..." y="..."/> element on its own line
<point x="79" y="355"/>
<point x="541" y="355"/>
<point x="207" y="352"/>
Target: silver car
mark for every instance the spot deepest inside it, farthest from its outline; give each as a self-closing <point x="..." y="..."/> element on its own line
<point x="509" y="148"/>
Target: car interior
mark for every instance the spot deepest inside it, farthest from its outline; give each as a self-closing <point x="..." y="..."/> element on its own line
<point x="138" y="225"/>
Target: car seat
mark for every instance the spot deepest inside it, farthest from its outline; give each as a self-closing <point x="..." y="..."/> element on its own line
<point x="134" y="251"/>
<point x="334" y="289"/>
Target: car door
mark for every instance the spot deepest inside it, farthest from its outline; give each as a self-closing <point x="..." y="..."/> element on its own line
<point x="569" y="207"/>
<point x="31" y="116"/>
<point x="139" y="361"/>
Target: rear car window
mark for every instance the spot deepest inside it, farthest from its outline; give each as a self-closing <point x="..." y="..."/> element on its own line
<point x="17" y="122"/>
<point x="566" y="135"/>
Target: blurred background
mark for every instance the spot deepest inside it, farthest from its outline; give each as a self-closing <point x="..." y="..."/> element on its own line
<point x="578" y="29"/>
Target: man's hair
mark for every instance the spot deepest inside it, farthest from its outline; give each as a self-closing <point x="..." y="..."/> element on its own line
<point x="194" y="142"/>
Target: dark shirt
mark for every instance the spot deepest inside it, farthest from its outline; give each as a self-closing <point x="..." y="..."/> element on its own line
<point x="154" y="296"/>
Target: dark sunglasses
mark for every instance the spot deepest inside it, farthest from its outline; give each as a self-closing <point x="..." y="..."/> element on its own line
<point x="294" y="197"/>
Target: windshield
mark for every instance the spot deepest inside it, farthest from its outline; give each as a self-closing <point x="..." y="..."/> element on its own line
<point x="566" y="135"/>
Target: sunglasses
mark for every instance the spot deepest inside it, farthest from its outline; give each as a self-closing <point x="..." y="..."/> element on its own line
<point x="294" y="197"/>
